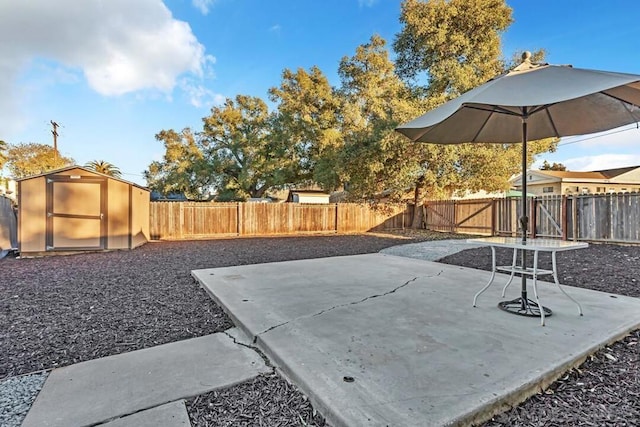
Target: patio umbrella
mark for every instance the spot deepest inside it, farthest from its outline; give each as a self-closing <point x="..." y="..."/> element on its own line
<point x="531" y="102"/>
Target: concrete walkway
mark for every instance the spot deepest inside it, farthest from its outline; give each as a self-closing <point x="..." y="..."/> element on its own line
<point x="382" y="340"/>
<point x="144" y="387"/>
<point x="432" y="250"/>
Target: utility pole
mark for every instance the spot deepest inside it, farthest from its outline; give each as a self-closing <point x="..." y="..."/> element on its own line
<point x="54" y="132"/>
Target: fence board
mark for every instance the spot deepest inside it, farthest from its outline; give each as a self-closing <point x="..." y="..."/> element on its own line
<point x="461" y="216"/>
<point x="185" y="220"/>
<point x="589" y="217"/>
<point x="548" y="215"/>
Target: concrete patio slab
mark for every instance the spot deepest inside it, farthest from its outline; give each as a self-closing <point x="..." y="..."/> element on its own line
<point x="100" y="390"/>
<point x="385" y="340"/>
<point x="170" y="415"/>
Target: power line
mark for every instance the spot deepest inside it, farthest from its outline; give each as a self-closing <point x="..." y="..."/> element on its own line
<point x="597" y="136"/>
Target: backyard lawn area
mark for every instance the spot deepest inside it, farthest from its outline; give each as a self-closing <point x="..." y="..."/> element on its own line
<point x="57" y="311"/>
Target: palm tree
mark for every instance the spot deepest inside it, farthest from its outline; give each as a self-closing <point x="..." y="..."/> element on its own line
<point x="103" y="167"/>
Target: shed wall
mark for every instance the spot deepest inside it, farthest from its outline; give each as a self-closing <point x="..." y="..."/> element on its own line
<point x="139" y="216"/>
<point x="117" y="215"/>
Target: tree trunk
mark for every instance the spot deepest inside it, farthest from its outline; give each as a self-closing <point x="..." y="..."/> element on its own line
<point x="416" y="219"/>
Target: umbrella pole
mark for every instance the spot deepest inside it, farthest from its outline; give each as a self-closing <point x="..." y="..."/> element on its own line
<point x="524" y="219"/>
<point x="523" y="306"/>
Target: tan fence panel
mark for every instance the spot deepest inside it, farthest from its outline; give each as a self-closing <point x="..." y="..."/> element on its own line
<point x="355" y="218"/>
<point x="164" y="222"/>
<point x="474" y="216"/>
<point x="187" y="220"/>
<point x="266" y="219"/>
<point x="205" y="219"/>
<point x="440" y="215"/>
<point x="314" y="218"/>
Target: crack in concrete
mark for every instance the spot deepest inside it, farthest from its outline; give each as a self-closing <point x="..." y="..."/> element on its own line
<point x="342" y="305"/>
<point x="365" y="299"/>
<point x="254" y="348"/>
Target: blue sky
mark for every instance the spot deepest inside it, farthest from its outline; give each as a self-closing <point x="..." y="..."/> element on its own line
<point x="114" y="73"/>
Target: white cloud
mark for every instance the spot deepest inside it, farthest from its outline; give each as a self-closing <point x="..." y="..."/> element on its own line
<point x="203" y="5"/>
<point x="120" y="46"/>
<point x="200" y="96"/>
<point x="275" y="28"/>
<point x="601" y="162"/>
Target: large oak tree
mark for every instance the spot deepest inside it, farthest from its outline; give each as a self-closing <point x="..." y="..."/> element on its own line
<point x="31" y="158"/>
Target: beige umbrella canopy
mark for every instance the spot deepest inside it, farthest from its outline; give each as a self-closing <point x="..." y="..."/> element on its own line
<point x="553" y="100"/>
<point x="531" y="102"/>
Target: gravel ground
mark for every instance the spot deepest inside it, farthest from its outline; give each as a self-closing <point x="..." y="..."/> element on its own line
<point x="56" y="311"/>
<point x="16" y="396"/>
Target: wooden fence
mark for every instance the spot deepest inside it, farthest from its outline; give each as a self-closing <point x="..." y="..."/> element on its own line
<point x="192" y="220"/>
<point x="590" y="217"/>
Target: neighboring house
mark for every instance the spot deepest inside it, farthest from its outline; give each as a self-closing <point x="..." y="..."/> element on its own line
<point x="157" y="196"/>
<point x="544" y="182"/>
<point x="308" y="196"/>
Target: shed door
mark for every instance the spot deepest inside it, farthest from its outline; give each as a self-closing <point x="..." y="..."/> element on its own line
<point x="76" y="213"/>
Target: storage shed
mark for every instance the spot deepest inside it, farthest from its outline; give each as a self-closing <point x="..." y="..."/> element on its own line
<point x="75" y="209"/>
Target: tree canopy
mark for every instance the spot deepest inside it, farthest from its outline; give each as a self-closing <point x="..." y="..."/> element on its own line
<point x="3" y="154"/>
<point x="343" y="136"/>
<point x="31" y="158"/>
<point x="546" y="166"/>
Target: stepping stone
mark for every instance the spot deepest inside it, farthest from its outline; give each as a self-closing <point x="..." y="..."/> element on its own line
<point x="103" y="389"/>
<point x="169" y="415"/>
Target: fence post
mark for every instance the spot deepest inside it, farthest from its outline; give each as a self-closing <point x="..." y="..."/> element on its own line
<point x="574" y="216"/>
<point x="181" y="219"/>
<point x="454" y="223"/>
<point x="534" y="210"/>
<point x="563" y="217"/>
<point x="335" y="225"/>
<point x="238" y="217"/>
<point x="493" y="217"/>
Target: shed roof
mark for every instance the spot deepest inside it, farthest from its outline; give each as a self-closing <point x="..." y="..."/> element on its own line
<point x="66" y="168"/>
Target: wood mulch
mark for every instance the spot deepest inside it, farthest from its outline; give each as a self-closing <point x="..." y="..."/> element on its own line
<point x="56" y="311"/>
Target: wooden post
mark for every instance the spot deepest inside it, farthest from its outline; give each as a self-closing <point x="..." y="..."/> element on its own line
<point x="574" y="216"/>
<point x="493" y="217"/>
<point x="533" y="206"/>
<point x="563" y="217"/>
<point x="181" y="219"/>
<point x="335" y="225"/>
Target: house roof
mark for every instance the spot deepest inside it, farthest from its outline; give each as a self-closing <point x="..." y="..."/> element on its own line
<point x="612" y="173"/>
<point x="573" y="175"/>
<point x="601" y="174"/>
<point x="593" y="176"/>
<point x="66" y="168"/>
